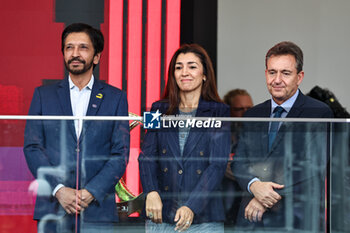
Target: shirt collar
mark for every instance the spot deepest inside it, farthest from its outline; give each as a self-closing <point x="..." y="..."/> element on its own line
<point x="286" y="105"/>
<point x="88" y="86"/>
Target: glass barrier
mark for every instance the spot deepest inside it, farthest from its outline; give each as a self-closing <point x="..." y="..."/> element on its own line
<point x="102" y="191"/>
<point x="340" y="178"/>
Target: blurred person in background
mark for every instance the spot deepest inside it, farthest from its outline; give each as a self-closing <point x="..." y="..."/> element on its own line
<point x="239" y="101"/>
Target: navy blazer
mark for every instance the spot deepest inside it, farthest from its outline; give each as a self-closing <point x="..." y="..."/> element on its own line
<point x="102" y="148"/>
<point x="297" y="155"/>
<point x="192" y="179"/>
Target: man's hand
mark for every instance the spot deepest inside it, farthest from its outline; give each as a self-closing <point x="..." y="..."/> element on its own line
<point x="85" y="198"/>
<point x="154" y="207"/>
<point x="183" y="218"/>
<point x="254" y="211"/>
<point x="264" y="192"/>
<point x="67" y="198"/>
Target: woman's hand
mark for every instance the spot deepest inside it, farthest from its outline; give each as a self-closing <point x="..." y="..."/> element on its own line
<point x="184" y="218"/>
<point x="154" y="207"/>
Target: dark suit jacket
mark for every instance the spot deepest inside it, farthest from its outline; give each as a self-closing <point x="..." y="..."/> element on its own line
<point x="194" y="178"/>
<point x="297" y="156"/>
<point x="52" y="150"/>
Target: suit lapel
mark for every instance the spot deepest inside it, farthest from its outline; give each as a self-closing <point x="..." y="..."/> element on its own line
<point x="96" y="98"/>
<point x="196" y="134"/>
<point x="63" y="93"/>
<point x="64" y="97"/>
<point x="294" y="112"/>
<point x="264" y="126"/>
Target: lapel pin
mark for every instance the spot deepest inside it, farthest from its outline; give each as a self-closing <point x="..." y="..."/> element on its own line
<point x="99" y="95"/>
<point x="94" y="105"/>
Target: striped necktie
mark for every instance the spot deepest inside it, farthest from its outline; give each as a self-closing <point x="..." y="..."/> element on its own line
<point x="275" y="124"/>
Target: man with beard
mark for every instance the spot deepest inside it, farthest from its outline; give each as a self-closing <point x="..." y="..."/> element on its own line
<point x="80" y="162"/>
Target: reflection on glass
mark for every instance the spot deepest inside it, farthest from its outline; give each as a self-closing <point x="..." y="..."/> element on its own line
<point x="340" y="178"/>
<point x="297" y="160"/>
<point x="302" y="169"/>
<point x="76" y="176"/>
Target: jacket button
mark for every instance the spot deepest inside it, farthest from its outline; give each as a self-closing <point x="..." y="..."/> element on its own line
<point x="180" y="172"/>
<point x="265" y="169"/>
<point x="165" y="169"/>
<point x="199" y="172"/>
<point x="166" y="188"/>
<point x="164" y="151"/>
<point x="201" y="153"/>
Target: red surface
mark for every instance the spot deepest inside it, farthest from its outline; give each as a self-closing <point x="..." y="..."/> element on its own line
<point x="31" y="53"/>
<point x="17" y="224"/>
<point x="11" y="100"/>
<point x="31" y="46"/>
<point x="17" y="197"/>
<point x="153" y="50"/>
<point x="134" y="60"/>
<point x="134" y="66"/>
<point x="115" y="52"/>
<point x="172" y="30"/>
<point x="104" y="61"/>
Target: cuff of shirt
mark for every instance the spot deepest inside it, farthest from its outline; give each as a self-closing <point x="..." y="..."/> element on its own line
<point x="250" y="183"/>
<point x="56" y="189"/>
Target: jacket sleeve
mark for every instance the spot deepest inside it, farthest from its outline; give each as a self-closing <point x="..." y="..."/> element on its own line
<point x="34" y="144"/>
<point x="241" y="161"/>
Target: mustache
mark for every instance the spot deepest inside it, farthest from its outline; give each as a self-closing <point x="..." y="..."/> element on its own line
<point x="76" y="59"/>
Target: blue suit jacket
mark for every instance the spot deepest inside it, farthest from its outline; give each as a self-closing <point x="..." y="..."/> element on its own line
<point x="297" y="156"/>
<point x="194" y="178"/>
<point x="102" y="149"/>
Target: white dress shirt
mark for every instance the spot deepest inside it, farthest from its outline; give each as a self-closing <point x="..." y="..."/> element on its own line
<point x="80" y="102"/>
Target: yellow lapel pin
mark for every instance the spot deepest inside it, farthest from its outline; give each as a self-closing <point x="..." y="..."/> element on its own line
<point x="99" y="95"/>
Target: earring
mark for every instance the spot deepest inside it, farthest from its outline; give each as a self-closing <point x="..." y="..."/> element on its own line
<point x="204" y="79"/>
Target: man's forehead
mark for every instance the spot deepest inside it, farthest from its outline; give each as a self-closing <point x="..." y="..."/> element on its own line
<point x="78" y="38"/>
<point x="281" y="62"/>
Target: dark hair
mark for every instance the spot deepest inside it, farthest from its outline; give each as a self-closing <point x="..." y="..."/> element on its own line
<point x="95" y="35"/>
<point x="287" y="48"/>
<point x="233" y="93"/>
<point x="208" y="92"/>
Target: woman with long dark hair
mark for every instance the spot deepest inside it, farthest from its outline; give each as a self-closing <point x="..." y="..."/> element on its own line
<point x="182" y="164"/>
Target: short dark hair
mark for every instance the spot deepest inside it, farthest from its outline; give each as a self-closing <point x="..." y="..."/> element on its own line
<point x="233" y="93"/>
<point x="287" y="48"/>
<point x="95" y="35"/>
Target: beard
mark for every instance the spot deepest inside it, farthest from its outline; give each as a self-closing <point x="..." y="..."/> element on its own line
<point x="77" y="71"/>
